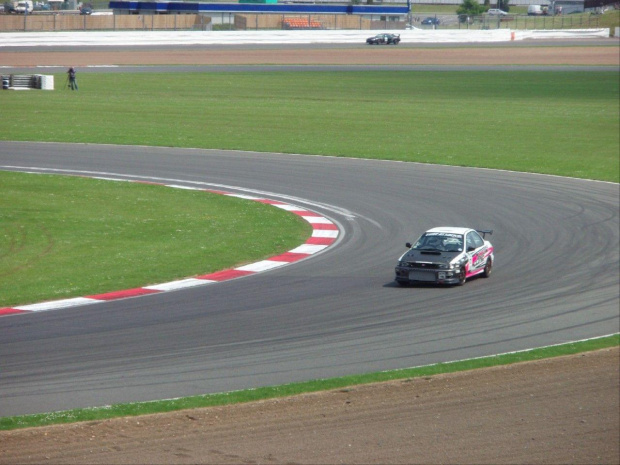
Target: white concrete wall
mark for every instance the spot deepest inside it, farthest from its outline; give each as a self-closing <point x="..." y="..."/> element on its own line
<point x="116" y="38"/>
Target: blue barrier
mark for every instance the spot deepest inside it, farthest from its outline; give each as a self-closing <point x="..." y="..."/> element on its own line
<point x="182" y="7"/>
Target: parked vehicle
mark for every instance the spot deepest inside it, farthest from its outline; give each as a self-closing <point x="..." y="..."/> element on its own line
<point x="496" y="12"/>
<point x="430" y="21"/>
<point x="534" y="10"/>
<point x="24" y="7"/>
<point x="19" y="7"/>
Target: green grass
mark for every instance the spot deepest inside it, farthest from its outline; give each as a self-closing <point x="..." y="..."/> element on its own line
<point x="211" y="400"/>
<point x="69" y="236"/>
<point x="572" y="21"/>
<point x="610" y="19"/>
<point x="562" y="123"/>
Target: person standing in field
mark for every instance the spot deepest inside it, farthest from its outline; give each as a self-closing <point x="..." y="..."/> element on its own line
<point x="72" y="80"/>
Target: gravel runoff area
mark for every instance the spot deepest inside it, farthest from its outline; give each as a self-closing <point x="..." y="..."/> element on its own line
<point x="507" y="53"/>
<point x="562" y="410"/>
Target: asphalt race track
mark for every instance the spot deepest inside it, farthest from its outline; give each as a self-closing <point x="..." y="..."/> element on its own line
<point x="556" y="279"/>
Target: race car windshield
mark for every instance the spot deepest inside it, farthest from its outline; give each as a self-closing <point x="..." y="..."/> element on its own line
<point x="440" y="242"/>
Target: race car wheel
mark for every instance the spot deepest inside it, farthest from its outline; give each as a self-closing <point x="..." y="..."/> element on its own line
<point x="488" y="268"/>
<point x="462" y="276"/>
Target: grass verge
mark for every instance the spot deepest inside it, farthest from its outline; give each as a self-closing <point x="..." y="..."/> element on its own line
<point x="562" y="123"/>
<point x="212" y="400"/>
<point x="65" y="236"/>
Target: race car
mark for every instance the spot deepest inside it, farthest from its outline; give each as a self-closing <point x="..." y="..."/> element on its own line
<point x="384" y="39"/>
<point x="446" y="255"/>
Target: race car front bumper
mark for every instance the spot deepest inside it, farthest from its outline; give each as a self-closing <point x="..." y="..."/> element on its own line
<point x="406" y="275"/>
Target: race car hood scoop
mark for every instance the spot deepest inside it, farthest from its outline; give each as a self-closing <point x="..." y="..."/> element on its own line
<point x="434" y="256"/>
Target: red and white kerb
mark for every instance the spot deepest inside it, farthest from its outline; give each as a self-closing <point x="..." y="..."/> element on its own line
<point x="324" y="234"/>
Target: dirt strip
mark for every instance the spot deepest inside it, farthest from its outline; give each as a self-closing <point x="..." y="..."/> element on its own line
<point x="563" y="410"/>
<point x="586" y="55"/>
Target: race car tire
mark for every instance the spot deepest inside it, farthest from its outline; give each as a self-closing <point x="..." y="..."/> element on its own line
<point x="488" y="268"/>
<point x="462" y="277"/>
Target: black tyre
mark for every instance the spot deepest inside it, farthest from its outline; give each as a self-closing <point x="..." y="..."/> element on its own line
<point x="462" y="277"/>
<point x="488" y="268"/>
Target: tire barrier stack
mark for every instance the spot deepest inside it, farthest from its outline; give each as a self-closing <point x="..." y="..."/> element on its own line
<point x="27" y="81"/>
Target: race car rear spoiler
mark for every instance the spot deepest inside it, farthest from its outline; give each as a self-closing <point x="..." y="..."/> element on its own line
<point x="484" y="232"/>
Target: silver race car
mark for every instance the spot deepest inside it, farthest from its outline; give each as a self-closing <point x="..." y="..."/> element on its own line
<point x="446" y="255"/>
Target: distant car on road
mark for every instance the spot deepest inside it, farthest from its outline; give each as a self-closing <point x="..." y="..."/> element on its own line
<point x="496" y="12"/>
<point x="430" y="21"/>
<point x="446" y="255"/>
<point x="384" y="39"/>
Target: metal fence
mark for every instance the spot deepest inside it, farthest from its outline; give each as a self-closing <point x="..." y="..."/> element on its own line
<point x="515" y="22"/>
<point x="104" y="22"/>
<point x="229" y="21"/>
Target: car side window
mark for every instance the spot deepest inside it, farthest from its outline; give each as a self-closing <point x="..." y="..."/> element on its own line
<point x="474" y="240"/>
<point x="469" y="242"/>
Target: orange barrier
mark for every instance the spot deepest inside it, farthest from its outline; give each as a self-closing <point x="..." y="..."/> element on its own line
<point x="301" y="23"/>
